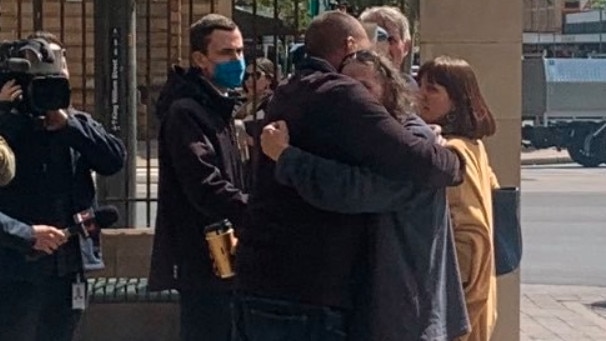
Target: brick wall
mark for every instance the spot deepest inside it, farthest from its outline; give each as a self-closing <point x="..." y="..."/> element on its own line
<point x="73" y="22"/>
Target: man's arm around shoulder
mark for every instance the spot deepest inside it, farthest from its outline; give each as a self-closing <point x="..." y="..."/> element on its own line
<point x="367" y="133"/>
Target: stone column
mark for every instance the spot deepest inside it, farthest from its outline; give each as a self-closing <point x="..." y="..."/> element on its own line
<point x="488" y="34"/>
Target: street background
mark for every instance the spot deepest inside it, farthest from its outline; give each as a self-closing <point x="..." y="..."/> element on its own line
<point x="564" y="263"/>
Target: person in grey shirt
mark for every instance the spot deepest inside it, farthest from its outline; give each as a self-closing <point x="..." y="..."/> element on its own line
<point x="413" y="290"/>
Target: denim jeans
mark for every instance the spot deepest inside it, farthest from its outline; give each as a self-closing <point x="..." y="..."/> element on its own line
<point x="261" y="319"/>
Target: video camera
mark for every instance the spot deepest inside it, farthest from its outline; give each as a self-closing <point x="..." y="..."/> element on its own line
<point x="38" y="69"/>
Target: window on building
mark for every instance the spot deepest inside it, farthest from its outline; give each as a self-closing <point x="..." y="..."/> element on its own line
<point x="572" y="4"/>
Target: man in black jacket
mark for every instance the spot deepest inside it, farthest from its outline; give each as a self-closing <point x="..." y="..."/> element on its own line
<point x="298" y="266"/>
<point x="200" y="176"/>
<point x="55" y="152"/>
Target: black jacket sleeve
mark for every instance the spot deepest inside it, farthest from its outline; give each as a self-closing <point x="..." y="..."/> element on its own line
<point x="369" y="135"/>
<point x="11" y="124"/>
<point x="193" y="160"/>
<point x="15" y="234"/>
<point x="338" y="187"/>
<point x="104" y="152"/>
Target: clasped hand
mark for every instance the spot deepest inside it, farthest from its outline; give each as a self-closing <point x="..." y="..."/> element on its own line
<point x="48" y="239"/>
<point x="275" y="139"/>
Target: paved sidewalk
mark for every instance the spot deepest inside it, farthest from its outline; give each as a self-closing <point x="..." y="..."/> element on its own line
<point x="556" y="313"/>
<point x="544" y="157"/>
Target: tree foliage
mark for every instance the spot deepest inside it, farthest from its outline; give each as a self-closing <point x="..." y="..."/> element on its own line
<point x="597" y="4"/>
<point x="288" y="11"/>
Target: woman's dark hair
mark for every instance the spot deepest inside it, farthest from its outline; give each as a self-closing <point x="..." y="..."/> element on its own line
<point x="265" y="68"/>
<point x="470" y="117"/>
<point x="398" y="98"/>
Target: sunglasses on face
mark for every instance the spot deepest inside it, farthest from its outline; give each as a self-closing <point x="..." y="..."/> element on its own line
<point x="256" y="75"/>
<point x="367" y="57"/>
<point x="383" y="36"/>
<point x="362" y="56"/>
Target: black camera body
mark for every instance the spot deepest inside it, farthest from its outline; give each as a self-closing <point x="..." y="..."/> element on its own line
<point x="38" y="69"/>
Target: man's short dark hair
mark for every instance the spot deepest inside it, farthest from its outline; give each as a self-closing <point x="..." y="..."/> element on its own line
<point x="49" y="37"/>
<point x="329" y="31"/>
<point x="200" y="31"/>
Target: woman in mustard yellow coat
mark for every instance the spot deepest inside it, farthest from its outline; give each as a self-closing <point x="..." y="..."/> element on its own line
<point x="451" y="98"/>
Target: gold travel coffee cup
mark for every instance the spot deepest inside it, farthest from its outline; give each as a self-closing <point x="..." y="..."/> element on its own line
<point x="221" y="245"/>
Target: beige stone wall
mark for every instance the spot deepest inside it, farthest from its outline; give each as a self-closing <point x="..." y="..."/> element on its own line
<point x="488" y="34"/>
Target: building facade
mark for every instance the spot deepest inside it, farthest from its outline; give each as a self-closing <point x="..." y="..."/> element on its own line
<point x="547" y="15"/>
<point x="563" y="29"/>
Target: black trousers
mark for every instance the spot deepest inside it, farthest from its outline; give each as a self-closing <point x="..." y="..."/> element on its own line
<point x="40" y="311"/>
<point x="205" y="316"/>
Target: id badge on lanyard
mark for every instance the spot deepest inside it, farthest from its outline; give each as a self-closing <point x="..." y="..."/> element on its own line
<point x="79" y="294"/>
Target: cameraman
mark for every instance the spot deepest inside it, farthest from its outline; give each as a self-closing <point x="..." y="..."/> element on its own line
<point x="55" y="152"/>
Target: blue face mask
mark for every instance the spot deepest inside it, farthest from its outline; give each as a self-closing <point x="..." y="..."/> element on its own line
<point x="230" y="74"/>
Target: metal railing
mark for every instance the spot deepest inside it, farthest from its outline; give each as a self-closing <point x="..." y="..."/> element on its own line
<point x="119" y="52"/>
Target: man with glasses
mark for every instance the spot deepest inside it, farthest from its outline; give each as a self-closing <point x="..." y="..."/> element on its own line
<point x="397" y="28"/>
<point x="394" y="40"/>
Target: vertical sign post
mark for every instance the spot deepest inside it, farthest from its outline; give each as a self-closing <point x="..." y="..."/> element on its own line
<point x="115" y="97"/>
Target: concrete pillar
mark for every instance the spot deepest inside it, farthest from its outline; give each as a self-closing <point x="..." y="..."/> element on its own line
<point x="488" y="34"/>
